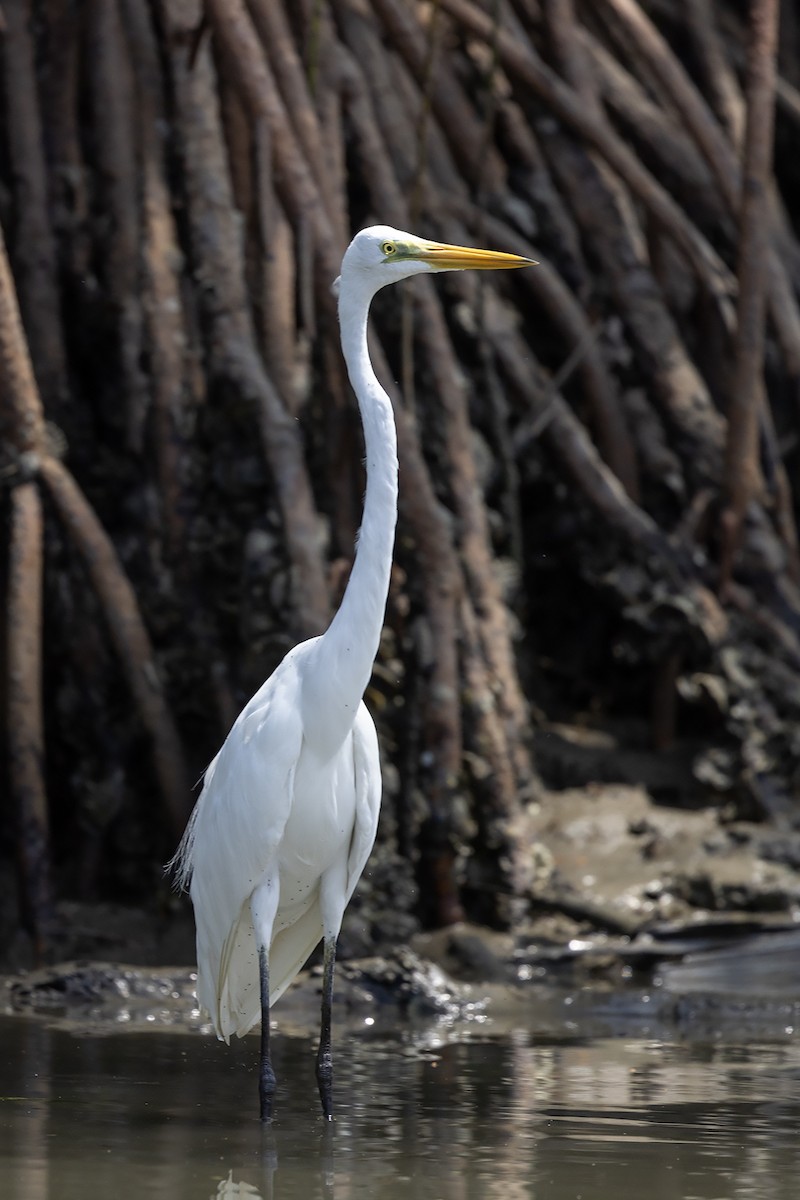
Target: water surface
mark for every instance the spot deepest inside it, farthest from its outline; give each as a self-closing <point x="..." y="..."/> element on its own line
<point x="557" y="1118"/>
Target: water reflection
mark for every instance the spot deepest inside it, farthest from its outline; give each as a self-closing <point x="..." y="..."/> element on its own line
<point x="152" y="1115"/>
<point x="229" y="1189"/>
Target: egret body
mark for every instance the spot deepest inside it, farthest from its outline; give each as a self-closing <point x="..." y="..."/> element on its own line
<point x="289" y="807"/>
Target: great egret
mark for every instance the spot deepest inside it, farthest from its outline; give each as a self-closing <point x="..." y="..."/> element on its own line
<point x="289" y="808"/>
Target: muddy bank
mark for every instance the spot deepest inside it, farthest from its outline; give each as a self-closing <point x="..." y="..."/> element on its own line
<point x="634" y="896"/>
<point x="715" y="983"/>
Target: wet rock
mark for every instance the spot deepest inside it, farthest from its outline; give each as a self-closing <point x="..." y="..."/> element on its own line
<point x="416" y="986"/>
<point x="106" y="993"/>
<point x="469" y="952"/>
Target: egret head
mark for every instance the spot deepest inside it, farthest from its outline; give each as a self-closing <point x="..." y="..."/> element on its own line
<point x="381" y="255"/>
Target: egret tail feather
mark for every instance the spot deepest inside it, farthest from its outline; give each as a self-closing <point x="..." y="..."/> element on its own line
<point x="235" y="1006"/>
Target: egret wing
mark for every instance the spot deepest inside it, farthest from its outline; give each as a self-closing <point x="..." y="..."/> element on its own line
<point x="367" y="767"/>
<point x="292" y="946"/>
<point x="232" y="843"/>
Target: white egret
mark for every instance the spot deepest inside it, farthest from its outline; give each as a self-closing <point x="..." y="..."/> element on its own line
<point x="289" y="807"/>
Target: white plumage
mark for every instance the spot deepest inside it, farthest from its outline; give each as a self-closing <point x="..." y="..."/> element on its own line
<point x="267" y="755"/>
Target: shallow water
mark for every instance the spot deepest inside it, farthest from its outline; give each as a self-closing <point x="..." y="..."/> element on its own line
<point x="173" y="1115"/>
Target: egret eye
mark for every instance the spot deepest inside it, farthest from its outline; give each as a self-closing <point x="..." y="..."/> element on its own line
<point x="389" y="248"/>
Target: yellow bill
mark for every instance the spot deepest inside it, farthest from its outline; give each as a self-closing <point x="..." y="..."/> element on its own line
<point x="461" y="258"/>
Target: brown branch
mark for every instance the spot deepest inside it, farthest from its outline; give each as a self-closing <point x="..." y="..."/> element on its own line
<point x="33" y="247"/>
<point x="128" y="635"/>
<point x="22" y="428"/>
<point x="25" y="726"/>
<point x="117" y="162"/>
<point x="334" y="143"/>
<point x="22" y="437"/>
<point x="430" y="543"/>
<point x="474" y="539"/>
<point x="240" y="135"/>
<point x="742" y="471"/>
<point x="162" y="303"/>
<point x="271" y="249"/>
<point x="721" y="86"/>
<point x="575" y="64"/>
<point x="283" y="343"/>
<point x="496" y="785"/>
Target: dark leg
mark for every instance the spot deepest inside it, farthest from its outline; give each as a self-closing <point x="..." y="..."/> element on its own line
<point x="324" y="1054"/>
<point x="266" y="1077"/>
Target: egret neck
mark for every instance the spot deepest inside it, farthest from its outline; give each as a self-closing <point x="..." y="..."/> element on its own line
<point x="346" y="651"/>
